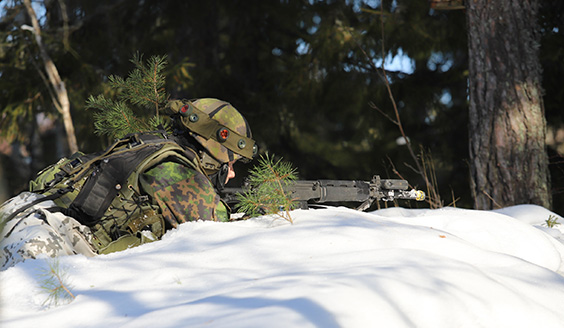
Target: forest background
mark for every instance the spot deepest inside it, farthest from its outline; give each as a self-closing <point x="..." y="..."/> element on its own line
<point x="302" y="72"/>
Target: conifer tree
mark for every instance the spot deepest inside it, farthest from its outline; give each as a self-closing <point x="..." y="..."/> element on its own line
<point x="140" y="96"/>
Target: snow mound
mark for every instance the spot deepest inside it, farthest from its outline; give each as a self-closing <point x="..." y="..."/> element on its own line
<point x="333" y="267"/>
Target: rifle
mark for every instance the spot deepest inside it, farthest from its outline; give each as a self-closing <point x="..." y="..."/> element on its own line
<point x="333" y="191"/>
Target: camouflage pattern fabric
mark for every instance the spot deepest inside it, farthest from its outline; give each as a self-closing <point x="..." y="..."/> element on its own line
<point x="177" y="192"/>
<point x="227" y="115"/>
<point x="183" y="194"/>
<point x="37" y="232"/>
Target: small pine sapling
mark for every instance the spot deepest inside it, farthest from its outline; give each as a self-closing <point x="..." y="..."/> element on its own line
<point x="552" y="221"/>
<point x="55" y="284"/>
<point x="143" y="90"/>
<point x="268" y="182"/>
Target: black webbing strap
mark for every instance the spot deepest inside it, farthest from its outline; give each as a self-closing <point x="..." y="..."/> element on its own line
<point x="91" y="159"/>
<point x="106" y="181"/>
<point x="80" y="163"/>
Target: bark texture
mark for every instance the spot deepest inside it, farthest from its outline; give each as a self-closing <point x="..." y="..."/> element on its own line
<point x="60" y="96"/>
<point x="508" y="159"/>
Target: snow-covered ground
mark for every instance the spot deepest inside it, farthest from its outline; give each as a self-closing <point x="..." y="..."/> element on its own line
<point x="333" y="267"/>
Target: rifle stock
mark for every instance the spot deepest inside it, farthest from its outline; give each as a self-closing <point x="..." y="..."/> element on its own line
<point x="333" y="191"/>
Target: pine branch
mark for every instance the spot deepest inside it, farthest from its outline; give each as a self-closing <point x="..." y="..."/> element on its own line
<point x="143" y="89"/>
<point x="145" y="84"/>
<point x="114" y="119"/>
<point x="55" y="283"/>
<point x="267" y="193"/>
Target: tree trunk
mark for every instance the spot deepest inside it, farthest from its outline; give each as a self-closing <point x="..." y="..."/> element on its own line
<point x="4" y="189"/>
<point x="508" y="159"/>
<point x="60" y="97"/>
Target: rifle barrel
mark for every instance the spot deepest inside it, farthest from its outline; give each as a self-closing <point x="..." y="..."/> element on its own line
<point x="332" y="191"/>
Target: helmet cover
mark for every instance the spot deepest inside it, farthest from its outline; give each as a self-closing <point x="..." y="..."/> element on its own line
<point x="218" y="127"/>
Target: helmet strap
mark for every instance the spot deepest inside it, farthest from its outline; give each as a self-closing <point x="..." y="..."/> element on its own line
<point x="209" y="163"/>
<point x="219" y="177"/>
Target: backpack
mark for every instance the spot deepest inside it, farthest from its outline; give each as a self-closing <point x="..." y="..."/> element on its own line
<point x="104" y="191"/>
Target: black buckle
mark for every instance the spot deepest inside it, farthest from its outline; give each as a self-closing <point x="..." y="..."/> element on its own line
<point x="71" y="166"/>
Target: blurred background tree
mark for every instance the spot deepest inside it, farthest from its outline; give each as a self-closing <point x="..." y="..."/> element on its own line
<point x="507" y="119"/>
<point x="301" y="71"/>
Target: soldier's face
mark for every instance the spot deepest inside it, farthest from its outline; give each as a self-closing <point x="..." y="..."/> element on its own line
<point x="230" y="172"/>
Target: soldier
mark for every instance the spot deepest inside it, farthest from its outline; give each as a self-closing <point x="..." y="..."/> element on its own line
<point x="134" y="191"/>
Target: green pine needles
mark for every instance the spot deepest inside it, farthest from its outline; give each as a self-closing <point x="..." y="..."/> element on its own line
<point x="552" y="221"/>
<point x="143" y="90"/>
<point x="55" y="284"/>
<point x="267" y="192"/>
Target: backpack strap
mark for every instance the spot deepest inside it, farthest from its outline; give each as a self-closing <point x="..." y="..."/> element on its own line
<point x="76" y="163"/>
<point x="106" y="180"/>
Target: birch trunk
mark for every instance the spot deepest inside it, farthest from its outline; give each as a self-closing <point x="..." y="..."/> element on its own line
<point x="60" y="97"/>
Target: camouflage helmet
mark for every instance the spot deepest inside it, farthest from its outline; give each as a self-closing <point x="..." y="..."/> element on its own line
<point x="218" y="127"/>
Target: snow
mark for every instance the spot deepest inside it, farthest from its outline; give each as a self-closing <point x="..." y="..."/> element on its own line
<point x="334" y="267"/>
